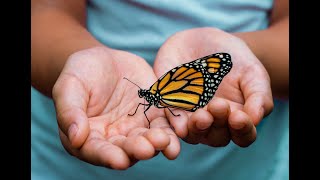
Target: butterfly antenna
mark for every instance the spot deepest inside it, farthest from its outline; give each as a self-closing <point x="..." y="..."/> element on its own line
<point x="132" y="82"/>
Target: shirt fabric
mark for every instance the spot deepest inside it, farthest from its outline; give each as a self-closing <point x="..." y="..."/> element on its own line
<point x="141" y="27"/>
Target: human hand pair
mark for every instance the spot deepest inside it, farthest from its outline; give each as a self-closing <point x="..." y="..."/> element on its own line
<point x="93" y="101"/>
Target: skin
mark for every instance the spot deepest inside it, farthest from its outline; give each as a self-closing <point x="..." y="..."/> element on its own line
<point x="84" y="78"/>
<point x="245" y="95"/>
<point x="243" y="98"/>
<point x="92" y="102"/>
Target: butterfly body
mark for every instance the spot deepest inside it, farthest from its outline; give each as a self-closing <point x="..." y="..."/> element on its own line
<point x="189" y="86"/>
<point x="152" y="99"/>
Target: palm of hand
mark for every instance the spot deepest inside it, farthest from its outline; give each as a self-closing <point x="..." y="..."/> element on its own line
<point x="108" y="136"/>
<point x="243" y="97"/>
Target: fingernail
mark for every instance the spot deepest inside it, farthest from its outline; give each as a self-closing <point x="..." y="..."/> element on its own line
<point x="73" y="129"/>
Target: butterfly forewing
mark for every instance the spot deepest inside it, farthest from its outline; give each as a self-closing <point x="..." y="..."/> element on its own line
<point x="192" y="85"/>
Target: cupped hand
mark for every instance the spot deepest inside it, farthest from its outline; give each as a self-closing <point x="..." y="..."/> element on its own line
<point x="93" y="101"/>
<point x="242" y="100"/>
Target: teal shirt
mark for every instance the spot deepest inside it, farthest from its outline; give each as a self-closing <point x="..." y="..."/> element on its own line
<point x="140" y="27"/>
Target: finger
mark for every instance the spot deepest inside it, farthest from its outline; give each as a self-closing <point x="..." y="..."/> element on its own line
<point x="172" y="150"/>
<point x="96" y="150"/>
<point x="219" y="134"/>
<point x="220" y="110"/>
<point x="156" y="136"/>
<point x="70" y="99"/>
<point x="138" y="147"/>
<point x="218" y="137"/>
<point x="67" y="144"/>
<point x="178" y="123"/>
<point x="257" y="106"/>
<point x="144" y="143"/>
<point x="198" y="125"/>
<point x="258" y="96"/>
<point x="242" y="129"/>
<point x="119" y="140"/>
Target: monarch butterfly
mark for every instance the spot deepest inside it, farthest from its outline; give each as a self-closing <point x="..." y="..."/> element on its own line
<point x="189" y="86"/>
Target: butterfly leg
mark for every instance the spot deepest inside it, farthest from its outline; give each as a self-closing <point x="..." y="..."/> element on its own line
<point x="172" y="112"/>
<point x="137" y="108"/>
<point x="168" y="109"/>
<point x="146" y="114"/>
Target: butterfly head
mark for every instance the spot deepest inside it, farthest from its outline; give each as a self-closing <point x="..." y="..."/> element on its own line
<point x="142" y="93"/>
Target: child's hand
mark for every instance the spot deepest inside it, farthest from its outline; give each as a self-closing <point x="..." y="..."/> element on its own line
<point x="93" y="102"/>
<point x="242" y="99"/>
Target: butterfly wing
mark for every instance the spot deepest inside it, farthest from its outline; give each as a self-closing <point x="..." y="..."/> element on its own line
<point x="192" y="85"/>
<point x="218" y="65"/>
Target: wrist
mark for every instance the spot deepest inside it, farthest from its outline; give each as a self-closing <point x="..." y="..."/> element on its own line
<point x="46" y="69"/>
<point x="55" y="36"/>
<point x="253" y="41"/>
<point x="270" y="46"/>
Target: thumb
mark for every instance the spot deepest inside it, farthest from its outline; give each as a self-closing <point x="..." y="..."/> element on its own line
<point x="70" y="99"/>
<point x="258" y="95"/>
